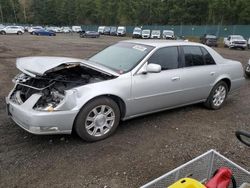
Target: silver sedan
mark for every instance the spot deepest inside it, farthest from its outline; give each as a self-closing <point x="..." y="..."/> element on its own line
<point x="55" y="95"/>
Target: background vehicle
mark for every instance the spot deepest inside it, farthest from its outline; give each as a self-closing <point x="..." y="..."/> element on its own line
<point x="44" y="32"/>
<point x="101" y="29"/>
<point x="76" y="29"/>
<point x="248" y="43"/>
<point x="12" y="30"/>
<point x="89" y="34"/>
<point x="235" y="41"/>
<point x="137" y="32"/>
<point x="145" y="34"/>
<point x="106" y="30"/>
<point x="247" y="69"/>
<point x="210" y="40"/>
<point x="156" y="34"/>
<point x="91" y="96"/>
<point x="168" y="34"/>
<point x="66" y="30"/>
<point x="243" y="136"/>
<point x="32" y="29"/>
<point x="113" y="31"/>
<point x="121" y="31"/>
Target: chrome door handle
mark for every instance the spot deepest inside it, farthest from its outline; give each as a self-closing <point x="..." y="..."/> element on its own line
<point x="212" y="73"/>
<point x="175" y="78"/>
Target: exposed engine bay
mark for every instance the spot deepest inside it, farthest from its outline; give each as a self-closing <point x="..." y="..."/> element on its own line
<point x="53" y="84"/>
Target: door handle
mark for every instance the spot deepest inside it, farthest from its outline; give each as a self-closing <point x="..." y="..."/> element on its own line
<point x="175" y="78"/>
<point x="212" y="73"/>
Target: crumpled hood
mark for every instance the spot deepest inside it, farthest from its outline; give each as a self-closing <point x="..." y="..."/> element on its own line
<point x="40" y="65"/>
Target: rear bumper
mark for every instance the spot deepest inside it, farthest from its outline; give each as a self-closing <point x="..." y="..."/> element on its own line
<point x="38" y="122"/>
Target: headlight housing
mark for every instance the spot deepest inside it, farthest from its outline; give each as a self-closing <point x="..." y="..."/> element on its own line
<point x="49" y="101"/>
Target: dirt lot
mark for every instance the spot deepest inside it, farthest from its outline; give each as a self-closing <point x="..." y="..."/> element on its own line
<point x="141" y="150"/>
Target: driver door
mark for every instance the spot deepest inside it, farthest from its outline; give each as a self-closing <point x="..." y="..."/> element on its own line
<point x="156" y="91"/>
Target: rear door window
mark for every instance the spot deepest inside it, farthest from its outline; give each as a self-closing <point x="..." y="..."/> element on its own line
<point x="197" y="56"/>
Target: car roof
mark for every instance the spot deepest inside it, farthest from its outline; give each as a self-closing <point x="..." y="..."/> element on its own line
<point x="162" y="43"/>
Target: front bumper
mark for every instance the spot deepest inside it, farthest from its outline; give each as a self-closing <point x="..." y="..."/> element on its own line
<point x="238" y="45"/>
<point x="39" y="122"/>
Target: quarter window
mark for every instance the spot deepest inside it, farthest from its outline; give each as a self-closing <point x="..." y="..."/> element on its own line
<point x="166" y="57"/>
<point x="207" y="57"/>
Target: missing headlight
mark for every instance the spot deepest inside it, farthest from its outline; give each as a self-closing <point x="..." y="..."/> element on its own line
<point x="49" y="101"/>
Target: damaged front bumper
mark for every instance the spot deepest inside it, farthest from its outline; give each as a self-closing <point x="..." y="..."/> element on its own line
<point x="40" y="122"/>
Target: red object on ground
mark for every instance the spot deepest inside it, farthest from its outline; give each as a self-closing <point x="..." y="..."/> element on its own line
<point x="221" y="179"/>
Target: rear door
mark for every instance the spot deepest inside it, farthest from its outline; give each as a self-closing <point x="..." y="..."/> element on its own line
<point x="198" y="73"/>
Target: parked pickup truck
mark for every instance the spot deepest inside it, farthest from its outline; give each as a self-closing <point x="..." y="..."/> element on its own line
<point x="235" y="41"/>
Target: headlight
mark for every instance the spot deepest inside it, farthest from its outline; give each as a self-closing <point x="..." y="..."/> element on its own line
<point x="48" y="102"/>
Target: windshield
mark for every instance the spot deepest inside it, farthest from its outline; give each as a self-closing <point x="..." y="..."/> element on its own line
<point x="168" y="33"/>
<point x="155" y="32"/>
<point x="237" y="38"/>
<point x="146" y="31"/>
<point x="211" y="36"/>
<point x="121" y="57"/>
<point x="137" y="30"/>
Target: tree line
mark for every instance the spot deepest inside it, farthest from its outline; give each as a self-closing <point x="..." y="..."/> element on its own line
<point x="125" y="12"/>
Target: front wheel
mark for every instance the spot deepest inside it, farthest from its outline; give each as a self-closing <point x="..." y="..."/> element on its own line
<point x="247" y="71"/>
<point x="217" y="96"/>
<point x="98" y="119"/>
<point x="3" y="33"/>
<point x="19" y="33"/>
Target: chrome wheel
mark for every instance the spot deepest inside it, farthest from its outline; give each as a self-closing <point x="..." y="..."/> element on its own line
<point x="219" y="95"/>
<point x="100" y="120"/>
<point x="248" y="68"/>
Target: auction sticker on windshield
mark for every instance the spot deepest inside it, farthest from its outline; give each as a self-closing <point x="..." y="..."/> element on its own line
<point x="140" y="48"/>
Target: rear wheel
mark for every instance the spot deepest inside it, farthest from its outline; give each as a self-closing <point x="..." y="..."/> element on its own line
<point x="217" y="96"/>
<point x="247" y="71"/>
<point x="98" y="119"/>
<point x="19" y="33"/>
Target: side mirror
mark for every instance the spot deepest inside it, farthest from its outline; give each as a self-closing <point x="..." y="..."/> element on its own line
<point x="153" y="68"/>
<point x="244" y="137"/>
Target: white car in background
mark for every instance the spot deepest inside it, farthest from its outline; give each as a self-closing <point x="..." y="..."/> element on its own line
<point x="145" y="34"/>
<point x="121" y="31"/>
<point x="101" y="30"/>
<point x="168" y="34"/>
<point x="235" y="41"/>
<point x="66" y="30"/>
<point x="12" y="30"/>
<point x="76" y="29"/>
<point x="156" y="34"/>
<point x="32" y="30"/>
<point x="137" y="32"/>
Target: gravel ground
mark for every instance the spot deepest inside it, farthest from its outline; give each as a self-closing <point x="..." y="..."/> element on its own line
<point x="141" y="150"/>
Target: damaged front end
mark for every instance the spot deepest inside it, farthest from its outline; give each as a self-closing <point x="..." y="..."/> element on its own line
<point x="53" y="85"/>
<point x="34" y="98"/>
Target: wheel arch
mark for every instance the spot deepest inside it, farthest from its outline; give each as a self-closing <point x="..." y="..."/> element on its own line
<point x="118" y="100"/>
<point x="225" y="79"/>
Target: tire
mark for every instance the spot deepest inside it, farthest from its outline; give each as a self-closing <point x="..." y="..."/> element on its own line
<point x="247" y="71"/>
<point x="96" y="111"/>
<point x="243" y="48"/>
<point x="3" y="33"/>
<point x="214" y="102"/>
<point x="19" y="33"/>
<point x="32" y="33"/>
